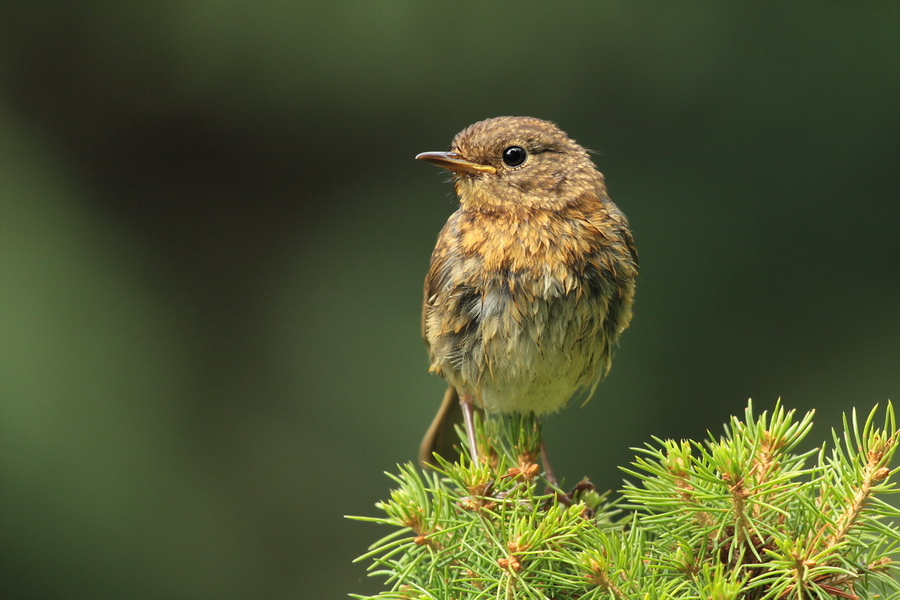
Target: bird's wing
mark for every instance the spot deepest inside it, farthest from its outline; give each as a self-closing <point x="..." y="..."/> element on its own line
<point x="599" y="214"/>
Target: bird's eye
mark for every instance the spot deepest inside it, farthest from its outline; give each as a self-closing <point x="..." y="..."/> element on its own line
<point x="514" y="156"/>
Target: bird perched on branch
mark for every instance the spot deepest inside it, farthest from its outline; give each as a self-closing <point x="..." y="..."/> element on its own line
<point x="531" y="281"/>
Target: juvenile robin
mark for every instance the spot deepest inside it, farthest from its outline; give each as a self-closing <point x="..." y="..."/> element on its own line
<point x="531" y="281"/>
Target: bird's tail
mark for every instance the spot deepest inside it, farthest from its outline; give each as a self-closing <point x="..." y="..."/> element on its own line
<point x="441" y="436"/>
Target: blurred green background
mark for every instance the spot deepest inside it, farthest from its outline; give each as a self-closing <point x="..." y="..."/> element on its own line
<point x="214" y="236"/>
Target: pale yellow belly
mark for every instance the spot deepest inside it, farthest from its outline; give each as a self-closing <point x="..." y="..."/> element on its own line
<point x="526" y="356"/>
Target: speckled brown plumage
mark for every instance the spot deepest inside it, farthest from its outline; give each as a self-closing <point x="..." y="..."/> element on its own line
<point x="532" y="279"/>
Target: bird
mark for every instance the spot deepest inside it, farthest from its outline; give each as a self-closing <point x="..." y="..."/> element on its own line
<point x="531" y="281"/>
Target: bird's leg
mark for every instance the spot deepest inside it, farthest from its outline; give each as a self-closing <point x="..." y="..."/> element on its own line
<point x="548" y="470"/>
<point x="465" y="402"/>
<point x="553" y="485"/>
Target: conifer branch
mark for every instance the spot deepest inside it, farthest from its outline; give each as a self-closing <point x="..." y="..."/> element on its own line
<point x="740" y="516"/>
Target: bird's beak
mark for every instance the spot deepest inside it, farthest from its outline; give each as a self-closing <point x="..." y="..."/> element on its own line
<point x="455" y="162"/>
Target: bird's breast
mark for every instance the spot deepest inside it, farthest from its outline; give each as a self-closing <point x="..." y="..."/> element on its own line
<point x="519" y="310"/>
<point x="522" y="242"/>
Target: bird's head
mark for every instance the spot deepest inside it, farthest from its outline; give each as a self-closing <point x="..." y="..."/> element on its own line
<point x="507" y="163"/>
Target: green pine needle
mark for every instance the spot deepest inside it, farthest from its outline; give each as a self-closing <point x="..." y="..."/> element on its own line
<point x="739" y="516"/>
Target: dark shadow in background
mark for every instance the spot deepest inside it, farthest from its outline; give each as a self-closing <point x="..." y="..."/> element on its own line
<point x="214" y="236"/>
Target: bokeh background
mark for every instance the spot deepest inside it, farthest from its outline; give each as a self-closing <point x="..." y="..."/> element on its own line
<point x="214" y="236"/>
